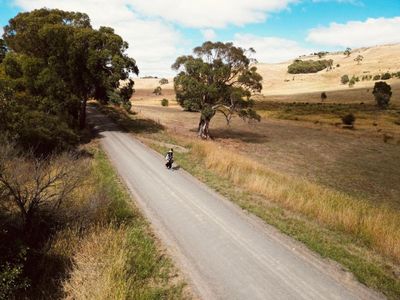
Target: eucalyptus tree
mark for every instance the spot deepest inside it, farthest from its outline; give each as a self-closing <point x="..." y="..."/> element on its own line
<point x="219" y="77"/>
<point x="64" y="61"/>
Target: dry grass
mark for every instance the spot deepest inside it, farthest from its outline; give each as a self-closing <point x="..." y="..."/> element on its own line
<point x="114" y="255"/>
<point x="361" y="234"/>
<point x="100" y="266"/>
<point x="378" y="226"/>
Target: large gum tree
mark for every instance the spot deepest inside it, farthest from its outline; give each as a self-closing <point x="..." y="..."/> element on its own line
<point x="64" y="61"/>
<point x="219" y="77"/>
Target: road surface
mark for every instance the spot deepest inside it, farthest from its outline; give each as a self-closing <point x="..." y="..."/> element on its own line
<point x="223" y="252"/>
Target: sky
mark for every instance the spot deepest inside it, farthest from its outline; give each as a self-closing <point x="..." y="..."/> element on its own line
<point x="158" y="31"/>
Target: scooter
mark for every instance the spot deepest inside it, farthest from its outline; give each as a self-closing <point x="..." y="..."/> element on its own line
<point x="169" y="163"/>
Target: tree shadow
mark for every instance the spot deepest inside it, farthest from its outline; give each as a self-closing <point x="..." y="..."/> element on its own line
<point x="107" y="118"/>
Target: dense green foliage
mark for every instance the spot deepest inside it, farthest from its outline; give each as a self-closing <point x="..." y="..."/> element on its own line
<point x="54" y="61"/>
<point x="219" y="77"/>
<point x="309" y="66"/>
<point x="382" y="93"/>
<point x="3" y="50"/>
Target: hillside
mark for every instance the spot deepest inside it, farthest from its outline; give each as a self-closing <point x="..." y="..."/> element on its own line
<point x="277" y="81"/>
<point x="377" y="60"/>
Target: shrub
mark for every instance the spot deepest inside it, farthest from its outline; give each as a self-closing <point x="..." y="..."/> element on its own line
<point x="382" y="93"/>
<point x="377" y="77"/>
<point x="157" y="90"/>
<point x="352" y="82"/>
<point x="338" y="66"/>
<point x="386" y="76"/>
<point x="323" y="96"/>
<point x="349" y="119"/>
<point x="344" y="79"/>
<point x="308" y="66"/>
<point x="164" y="102"/>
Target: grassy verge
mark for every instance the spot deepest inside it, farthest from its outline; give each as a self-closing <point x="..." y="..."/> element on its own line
<point x="364" y="238"/>
<point x="118" y="258"/>
<point x="95" y="245"/>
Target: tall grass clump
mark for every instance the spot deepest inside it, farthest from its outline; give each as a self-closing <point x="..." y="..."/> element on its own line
<point x="376" y="226"/>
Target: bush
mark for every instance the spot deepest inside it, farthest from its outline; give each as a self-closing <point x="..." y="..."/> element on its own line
<point x="377" y="77"/>
<point x="386" y="76"/>
<point x="338" y="66"/>
<point x="382" y="93"/>
<point x="349" y="119"/>
<point x="157" y="91"/>
<point x="345" y="79"/>
<point x="352" y="82"/>
<point x="164" y="102"/>
<point x="308" y="66"/>
<point x="323" y="96"/>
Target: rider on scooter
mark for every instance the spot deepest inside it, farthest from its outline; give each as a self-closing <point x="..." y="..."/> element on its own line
<point x="169" y="158"/>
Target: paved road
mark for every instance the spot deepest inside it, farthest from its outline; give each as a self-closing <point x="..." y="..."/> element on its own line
<point x="224" y="252"/>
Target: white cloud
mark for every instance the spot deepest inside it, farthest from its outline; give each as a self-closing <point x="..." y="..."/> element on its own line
<point x="153" y="43"/>
<point x="210" y="13"/>
<point x="357" y="34"/>
<point x="209" y="34"/>
<point x="271" y="49"/>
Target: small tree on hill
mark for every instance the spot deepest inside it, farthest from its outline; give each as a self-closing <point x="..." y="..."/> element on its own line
<point x="382" y="93"/>
<point x="218" y="78"/>
<point x="347" y="52"/>
<point x="323" y="96"/>
<point x="359" y="59"/>
<point x="157" y="91"/>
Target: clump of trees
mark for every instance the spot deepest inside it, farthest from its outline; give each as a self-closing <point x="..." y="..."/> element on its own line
<point x="219" y="77"/>
<point x="157" y="91"/>
<point x="163" y="81"/>
<point x="345" y="79"/>
<point x="309" y="66"/>
<point x="382" y="93"/>
<point x="377" y="77"/>
<point x="52" y="62"/>
<point x="386" y="76"/>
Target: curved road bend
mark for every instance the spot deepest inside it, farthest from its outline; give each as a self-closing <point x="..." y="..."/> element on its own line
<point x="224" y="252"/>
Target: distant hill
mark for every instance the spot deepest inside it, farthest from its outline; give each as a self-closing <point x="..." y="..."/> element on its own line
<point x="377" y="60"/>
<point x="277" y="81"/>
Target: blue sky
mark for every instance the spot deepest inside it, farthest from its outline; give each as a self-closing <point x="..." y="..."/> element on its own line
<point x="160" y="30"/>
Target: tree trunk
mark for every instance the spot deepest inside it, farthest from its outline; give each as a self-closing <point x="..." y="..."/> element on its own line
<point x="203" y="130"/>
<point x="82" y="115"/>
